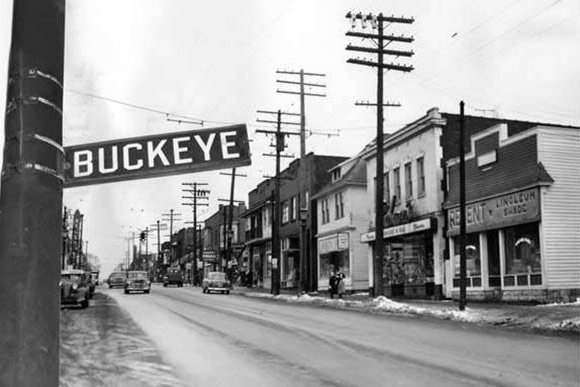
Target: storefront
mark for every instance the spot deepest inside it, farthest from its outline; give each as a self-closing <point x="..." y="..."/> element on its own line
<point x="503" y="248"/>
<point x="408" y="261"/>
<point x="333" y="257"/>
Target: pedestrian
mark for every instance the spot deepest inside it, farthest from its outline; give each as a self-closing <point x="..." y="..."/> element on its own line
<point x="333" y="285"/>
<point x="341" y="285"/>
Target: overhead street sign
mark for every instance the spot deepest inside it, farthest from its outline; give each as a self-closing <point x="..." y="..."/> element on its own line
<point x="157" y="155"/>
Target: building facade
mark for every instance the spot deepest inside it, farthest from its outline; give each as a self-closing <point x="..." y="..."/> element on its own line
<point x="413" y="262"/>
<point x="522" y="214"/>
<point x="342" y="209"/>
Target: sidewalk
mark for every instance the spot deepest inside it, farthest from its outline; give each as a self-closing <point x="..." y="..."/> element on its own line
<point x="550" y="319"/>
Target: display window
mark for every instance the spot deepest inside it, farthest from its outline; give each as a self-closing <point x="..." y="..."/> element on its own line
<point x="409" y="260"/>
<point x="523" y="265"/>
<point x="472" y="260"/>
<point x="334" y="262"/>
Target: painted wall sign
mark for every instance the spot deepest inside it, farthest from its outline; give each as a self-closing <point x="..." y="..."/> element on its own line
<point x="158" y="155"/>
<point x="407" y="228"/>
<point x="502" y="211"/>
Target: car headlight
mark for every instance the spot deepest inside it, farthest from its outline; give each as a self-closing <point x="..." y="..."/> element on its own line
<point x="75" y="286"/>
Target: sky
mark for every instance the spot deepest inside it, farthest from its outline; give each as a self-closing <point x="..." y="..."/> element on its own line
<point x="217" y="61"/>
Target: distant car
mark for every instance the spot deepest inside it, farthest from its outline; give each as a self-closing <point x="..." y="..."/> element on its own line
<point x="117" y="278"/>
<point x="216" y="281"/>
<point x="74" y="288"/>
<point x="137" y="281"/>
<point x="174" y="276"/>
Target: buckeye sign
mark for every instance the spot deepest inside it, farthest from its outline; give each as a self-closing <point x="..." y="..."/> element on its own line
<point x="158" y="155"/>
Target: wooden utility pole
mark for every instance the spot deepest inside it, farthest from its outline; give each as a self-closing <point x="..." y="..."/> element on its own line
<point x="31" y="197"/>
<point x="172" y="217"/>
<point x="379" y="38"/>
<point x="280" y="146"/>
<point x="462" y="215"/>
<point x="231" y="212"/>
<point x="196" y="194"/>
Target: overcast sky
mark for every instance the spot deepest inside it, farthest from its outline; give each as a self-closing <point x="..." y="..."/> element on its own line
<point x="217" y="61"/>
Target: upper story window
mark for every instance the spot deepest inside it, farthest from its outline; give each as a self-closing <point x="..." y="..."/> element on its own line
<point x="408" y="180"/>
<point x="420" y="176"/>
<point x="486" y="160"/>
<point x="293" y="209"/>
<point x="387" y="190"/>
<point x="336" y="174"/>
<point x="397" y="182"/>
<point x="325" y="213"/>
<point x="266" y="217"/>
<point x="339" y="205"/>
<point x="285" y="212"/>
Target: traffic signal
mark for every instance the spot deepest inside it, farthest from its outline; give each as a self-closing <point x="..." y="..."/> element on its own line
<point x="142" y="236"/>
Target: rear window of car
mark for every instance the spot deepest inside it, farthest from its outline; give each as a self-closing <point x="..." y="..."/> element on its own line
<point x="216" y="276"/>
<point x="117" y="275"/>
<point x="137" y="275"/>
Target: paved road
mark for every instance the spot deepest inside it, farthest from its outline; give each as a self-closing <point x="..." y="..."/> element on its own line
<point x="230" y="340"/>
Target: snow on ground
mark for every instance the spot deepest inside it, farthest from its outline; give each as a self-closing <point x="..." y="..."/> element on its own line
<point x="531" y="318"/>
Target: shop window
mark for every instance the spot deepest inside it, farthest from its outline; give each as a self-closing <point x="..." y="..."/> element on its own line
<point x="523" y="265"/>
<point x="293" y="209"/>
<point x="472" y="260"/>
<point x="420" y="176"/>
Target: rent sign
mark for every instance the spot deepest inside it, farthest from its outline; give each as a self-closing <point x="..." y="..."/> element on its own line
<point x="159" y="155"/>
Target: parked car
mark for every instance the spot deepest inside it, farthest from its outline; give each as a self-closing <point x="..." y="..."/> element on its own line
<point x="216" y="281"/>
<point x="117" y="278"/>
<point x="74" y="288"/>
<point x="174" y="276"/>
<point x="137" y="281"/>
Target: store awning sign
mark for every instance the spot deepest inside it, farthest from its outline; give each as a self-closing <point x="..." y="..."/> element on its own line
<point x="407" y="228"/>
<point x="158" y="155"/>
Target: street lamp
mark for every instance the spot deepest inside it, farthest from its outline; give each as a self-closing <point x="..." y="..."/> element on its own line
<point x="303" y="220"/>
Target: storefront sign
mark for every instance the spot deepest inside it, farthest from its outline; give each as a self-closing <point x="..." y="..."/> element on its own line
<point x="210" y="255"/>
<point x="408" y="228"/>
<point x="333" y="242"/>
<point x="502" y="211"/>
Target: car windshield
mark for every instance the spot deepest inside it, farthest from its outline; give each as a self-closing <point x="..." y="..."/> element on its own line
<point x="137" y="274"/>
<point x="217" y="276"/>
<point x="72" y="277"/>
<point x="118" y="275"/>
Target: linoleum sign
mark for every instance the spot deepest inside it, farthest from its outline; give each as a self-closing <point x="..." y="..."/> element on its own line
<point x="502" y="211"/>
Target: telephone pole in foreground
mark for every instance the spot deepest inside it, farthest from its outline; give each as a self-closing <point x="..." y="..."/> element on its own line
<point x="379" y="38"/>
<point x="31" y="197"/>
<point x="280" y="146"/>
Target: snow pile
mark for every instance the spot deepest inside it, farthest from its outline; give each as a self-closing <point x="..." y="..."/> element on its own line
<point x="575" y="303"/>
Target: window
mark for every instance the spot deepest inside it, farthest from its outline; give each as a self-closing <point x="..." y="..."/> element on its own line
<point x="420" y="176"/>
<point x="293" y="209"/>
<point x="472" y="260"/>
<point x="339" y="205"/>
<point x="336" y="174"/>
<point x="325" y="215"/>
<point x="397" y="183"/>
<point x="523" y="264"/>
<point x="266" y="217"/>
<point x="285" y="211"/>
<point x="408" y="181"/>
<point x="387" y="189"/>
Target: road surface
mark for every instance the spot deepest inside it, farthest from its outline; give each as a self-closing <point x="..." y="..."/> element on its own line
<point x="231" y="340"/>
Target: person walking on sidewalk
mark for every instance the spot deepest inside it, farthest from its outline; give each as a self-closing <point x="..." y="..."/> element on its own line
<point x="333" y="285"/>
<point x="341" y="285"/>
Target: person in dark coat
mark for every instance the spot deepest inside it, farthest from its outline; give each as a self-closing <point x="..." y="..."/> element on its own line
<point x="333" y="285"/>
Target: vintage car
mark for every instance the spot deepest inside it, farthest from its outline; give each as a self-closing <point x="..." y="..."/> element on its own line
<point x="216" y="281"/>
<point x="137" y="281"/>
<point x="74" y="288"/>
<point x="117" y="278"/>
<point x="174" y="276"/>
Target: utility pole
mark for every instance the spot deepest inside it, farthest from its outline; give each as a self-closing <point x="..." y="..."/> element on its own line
<point x="172" y="216"/>
<point x="196" y="194"/>
<point x="462" y="215"/>
<point x="280" y="146"/>
<point x="31" y="197"/>
<point x="377" y="23"/>
<point x="158" y="226"/>
<point x="230" y="220"/>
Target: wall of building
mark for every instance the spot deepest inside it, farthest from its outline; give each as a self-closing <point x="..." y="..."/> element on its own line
<point x="559" y="152"/>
